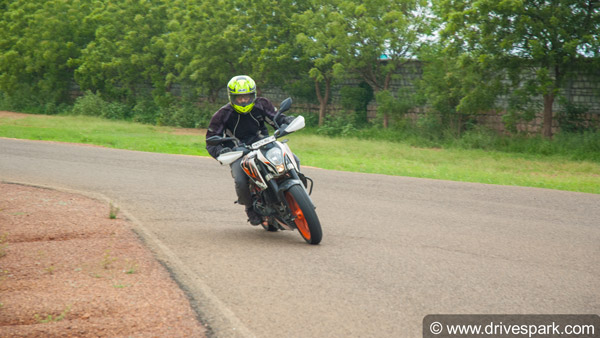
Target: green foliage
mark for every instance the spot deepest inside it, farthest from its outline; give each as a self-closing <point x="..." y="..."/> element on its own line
<point x="150" y="60"/>
<point x="380" y="27"/>
<point x="113" y="211"/>
<point x="302" y="90"/>
<point x="574" y="146"/>
<point x="457" y="86"/>
<point x="571" y="118"/>
<point x="51" y="318"/>
<point x="272" y="54"/>
<point x="89" y="104"/>
<point x="548" y="37"/>
<point x="321" y="46"/>
<point x="92" y="104"/>
<point x="145" y="111"/>
<point x="338" y="125"/>
<point x="429" y="127"/>
<point x="180" y="114"/>
<point x="356" y="99"/>
<point x="127" y="52"/>
<point x="521" y="107"/>
<point x="187" y="115"/>
<point x="3" y="246"/>
<point x="204" y="47"/>
<point x="396" y="106"/>
<point x="37" y="40"/>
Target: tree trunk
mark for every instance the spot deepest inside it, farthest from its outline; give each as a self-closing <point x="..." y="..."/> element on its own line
<point x="386" y="116"/>
<point x="323" y="99"/>
<point x="386" y="86"/>
<point x="547" y="124"/>
<point x="322" y="112"/>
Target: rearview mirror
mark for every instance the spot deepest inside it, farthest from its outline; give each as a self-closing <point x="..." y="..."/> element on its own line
<point x="285" y="105"/>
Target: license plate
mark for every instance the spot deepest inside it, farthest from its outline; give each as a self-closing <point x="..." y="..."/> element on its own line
<point x="262" y="142"/>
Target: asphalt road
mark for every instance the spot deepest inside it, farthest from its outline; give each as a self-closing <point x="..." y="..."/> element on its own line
<point x="394" y="249"/>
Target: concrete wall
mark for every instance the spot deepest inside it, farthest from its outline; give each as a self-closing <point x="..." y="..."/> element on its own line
<point x="583" y="89"/>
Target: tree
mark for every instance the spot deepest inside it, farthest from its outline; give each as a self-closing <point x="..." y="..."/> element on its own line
<point x="321" y="46"/>
<point x="37" y="40"/>
<point x="127" y="52"/>
<point x="380" y="37"/>
<point x="539" y="43"/>
<point x="205" y="44"/>
<point x="456" y="85"/>
<point x="270" y="29"/>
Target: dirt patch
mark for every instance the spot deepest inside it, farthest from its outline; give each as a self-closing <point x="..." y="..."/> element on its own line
<point x="13" y="115"/>
<point x="68" y="270"/>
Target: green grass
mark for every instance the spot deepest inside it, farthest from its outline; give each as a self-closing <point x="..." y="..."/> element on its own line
<point x="346" y="154"/>
<point x="107" y="133"/>
<point x="449" y="164"/>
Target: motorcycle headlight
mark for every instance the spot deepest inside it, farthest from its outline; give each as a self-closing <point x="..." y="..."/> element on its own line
<point x="275" y="156"/>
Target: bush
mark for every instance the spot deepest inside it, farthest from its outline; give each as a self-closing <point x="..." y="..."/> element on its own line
<point x="89" y="104"/>
<point x="23" y="100"/>
<point x="187" y="115"/>
<point x="115" y="111"/>
<point x="338" y="125"/>
<point x="145" y="111"/>
<point x="92" y="104"/>
<point x="53" y="109"/>
<point x="477" y="138"/>
<point x="579" y="146"/>
<point x="571" y="118"/>
<point x="429" y="126"/>
<point x="356" y="99"/>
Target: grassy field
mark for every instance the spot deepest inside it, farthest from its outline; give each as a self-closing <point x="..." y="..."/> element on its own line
<point x="346" y="154"/>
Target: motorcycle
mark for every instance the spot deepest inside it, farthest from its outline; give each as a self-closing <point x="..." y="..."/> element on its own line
<point x="280" y="192"/>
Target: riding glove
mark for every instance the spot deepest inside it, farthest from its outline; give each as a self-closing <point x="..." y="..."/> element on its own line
<point x="242" y="149"/>
<point x="288" y="119"/>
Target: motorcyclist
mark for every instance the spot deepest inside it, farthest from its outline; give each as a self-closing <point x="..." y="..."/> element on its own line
<point x="243" y="117"/>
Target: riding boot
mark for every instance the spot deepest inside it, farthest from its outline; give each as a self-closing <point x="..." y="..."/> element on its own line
<point x="253" y="217"/>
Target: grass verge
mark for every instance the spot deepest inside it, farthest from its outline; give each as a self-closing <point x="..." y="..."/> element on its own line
<point x="346" y="154"/>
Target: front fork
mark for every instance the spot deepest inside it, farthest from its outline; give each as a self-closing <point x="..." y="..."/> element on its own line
<point x="267" y="202"/>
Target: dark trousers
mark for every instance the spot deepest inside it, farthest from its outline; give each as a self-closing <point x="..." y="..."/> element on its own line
<point x="240" y="180"/>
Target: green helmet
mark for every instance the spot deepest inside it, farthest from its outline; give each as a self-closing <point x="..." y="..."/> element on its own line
<point x="242" y="93"/>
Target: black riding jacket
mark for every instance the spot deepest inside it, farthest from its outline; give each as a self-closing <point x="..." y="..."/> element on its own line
<point x="248" y="128"/>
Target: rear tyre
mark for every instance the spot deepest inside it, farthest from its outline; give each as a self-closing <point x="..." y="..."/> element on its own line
<point x="306" y="219"/>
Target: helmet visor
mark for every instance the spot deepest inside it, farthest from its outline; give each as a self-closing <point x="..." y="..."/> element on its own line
<point x="243" y="100"/>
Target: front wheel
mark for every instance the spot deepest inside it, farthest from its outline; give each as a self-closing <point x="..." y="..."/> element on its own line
<point x="305" y="216"/>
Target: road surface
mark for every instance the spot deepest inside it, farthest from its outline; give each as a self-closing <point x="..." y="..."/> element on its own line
<point x="394" y="249"/>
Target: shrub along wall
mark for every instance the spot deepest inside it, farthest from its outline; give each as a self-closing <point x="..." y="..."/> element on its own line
<point x="582" y="93"/>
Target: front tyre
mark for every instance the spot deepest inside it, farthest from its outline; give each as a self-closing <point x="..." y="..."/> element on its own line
<point x="305" y="216"/>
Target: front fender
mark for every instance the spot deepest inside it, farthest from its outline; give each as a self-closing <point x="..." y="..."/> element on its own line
<point x="286" y="185"/>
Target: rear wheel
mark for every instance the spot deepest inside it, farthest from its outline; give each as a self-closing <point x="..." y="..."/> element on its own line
<point x="305" y="216"/>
